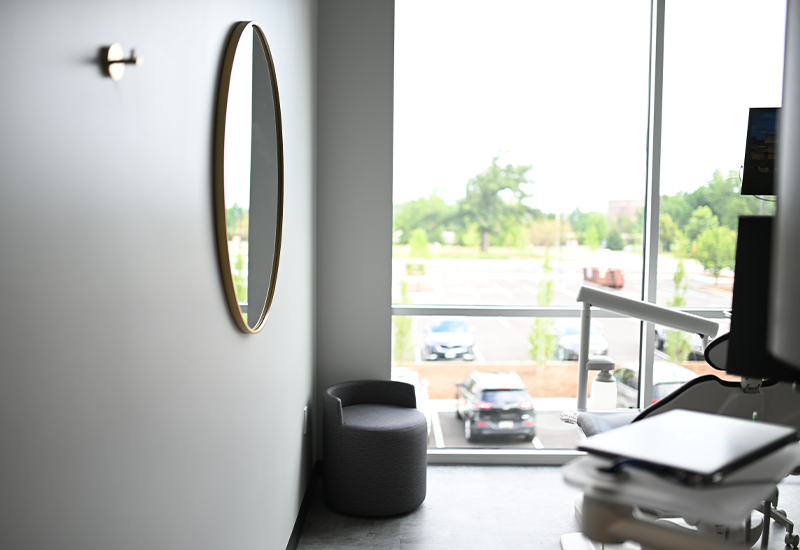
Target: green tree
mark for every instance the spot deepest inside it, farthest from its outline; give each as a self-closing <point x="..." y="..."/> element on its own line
<point x="430" y="213"/>
<point x="592" y="239"/>
<point x="682" y="245"/>
<point x="518" y="237"/>
<point x="716" y="250"/>
<point x="725" y="199"/>
<point x="678" y="341"/>
<point x="419" y="244"/>
<point x="591" y="228"/>
<point x="542" y="338"/>
<point x="403" y="349"/>
<point x="626" y="225"/>
<point x="722" y="195"/>
<point x="547" y="231"/>
<point x="614" y="241"/>
<point x="702" y="218"/>
<point x="543" y="232"/>
<point x="678" y="299"/>
<point x="237" y="220"/>
<point x="579" y="222"/>
<point x="667" y="232"/>
<point x="493" y="196"/>
<point x="470" y="236"/>
<point x="678" y="207"/>
<point x="600" y="223"/>
<point x="678" y="345"/>
<point x="239" y="281"/>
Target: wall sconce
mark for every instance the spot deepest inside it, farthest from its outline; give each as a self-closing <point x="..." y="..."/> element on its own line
<point x="115" y="61"/>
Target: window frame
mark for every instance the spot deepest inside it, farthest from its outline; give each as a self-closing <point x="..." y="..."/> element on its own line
<point x="649" y="281"/>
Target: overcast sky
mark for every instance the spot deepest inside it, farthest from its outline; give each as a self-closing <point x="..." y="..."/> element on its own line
<point x="563" y="86"/>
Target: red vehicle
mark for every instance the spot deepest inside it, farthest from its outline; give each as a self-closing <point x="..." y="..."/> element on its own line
<point x="612" y="278"/>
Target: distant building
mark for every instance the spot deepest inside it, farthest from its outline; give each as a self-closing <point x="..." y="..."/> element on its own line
<point x="630" y="208"/>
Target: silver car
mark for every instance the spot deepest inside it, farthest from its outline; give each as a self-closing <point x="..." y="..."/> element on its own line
<point x="667" y="377"/>
<point x="568" y="340"/>
<point x="448" y="338"/>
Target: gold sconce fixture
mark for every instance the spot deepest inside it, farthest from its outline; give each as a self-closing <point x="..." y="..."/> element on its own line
<point x="115" y="61"/>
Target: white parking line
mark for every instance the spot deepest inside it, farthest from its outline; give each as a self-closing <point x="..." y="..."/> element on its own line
<point x="504" y="291"/>
<point x="475" y="293"/>
<point x="530" y="289"/>
<point x="503" y="322"/>
<point x="479" y="356"/>
<point x="562" y="288"/>
<point x="438" y="437"/>
<point x="537" y="443"/>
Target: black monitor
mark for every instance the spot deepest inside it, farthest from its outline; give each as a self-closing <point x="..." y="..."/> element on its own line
<point x="758" y="175"/>
<point x="747" y="344"/>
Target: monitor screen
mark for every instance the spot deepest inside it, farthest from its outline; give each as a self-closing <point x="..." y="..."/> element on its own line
<point x="759" y="160"/>
<point x="747" y="343"/>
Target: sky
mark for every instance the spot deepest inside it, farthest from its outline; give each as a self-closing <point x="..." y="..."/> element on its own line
<point x="238" y="126"/>
<point x="563" y="87"/>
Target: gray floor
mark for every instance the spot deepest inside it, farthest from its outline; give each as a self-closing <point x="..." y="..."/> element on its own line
<point x="476" y="507"/>
<point x="480" y="507"/>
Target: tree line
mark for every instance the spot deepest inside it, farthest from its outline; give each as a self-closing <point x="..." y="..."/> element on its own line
<point x="700" y="224"/>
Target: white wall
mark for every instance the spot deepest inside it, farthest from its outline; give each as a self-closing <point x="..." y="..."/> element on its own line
<point x="133" y="414"/>
<point x="354" y="190"/>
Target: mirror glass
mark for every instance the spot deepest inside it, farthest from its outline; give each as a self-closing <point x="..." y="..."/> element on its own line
<point x="249" y="174"/>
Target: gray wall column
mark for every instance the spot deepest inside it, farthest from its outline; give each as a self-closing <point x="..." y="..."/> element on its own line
<point x="354" y="190"/>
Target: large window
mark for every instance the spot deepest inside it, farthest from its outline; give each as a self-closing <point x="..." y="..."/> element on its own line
<point x="524" y="137"/>
<point x="710" y="83"/>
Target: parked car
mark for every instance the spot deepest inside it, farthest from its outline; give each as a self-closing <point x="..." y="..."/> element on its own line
<point x="695" y="343"/>
<point x="667" y="377"/>
<point x="405" y="374"/>
<point x="568" y="339"/>
<point x="495" y="403"/>
<point x="448" y="338"/>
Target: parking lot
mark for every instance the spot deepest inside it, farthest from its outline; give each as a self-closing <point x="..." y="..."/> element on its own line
<point x="502" y="343"/>
<point x="551" y="433"/>
<point x="516" y="282"/>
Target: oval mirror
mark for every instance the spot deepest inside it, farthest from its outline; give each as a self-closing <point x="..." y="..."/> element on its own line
<point x="248" y="175"/>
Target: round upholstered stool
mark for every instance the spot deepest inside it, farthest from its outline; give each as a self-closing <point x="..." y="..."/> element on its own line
<point x="374" y="448"/>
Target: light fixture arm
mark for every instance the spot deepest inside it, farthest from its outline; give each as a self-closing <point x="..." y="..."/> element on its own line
<point x="637" y="309"/>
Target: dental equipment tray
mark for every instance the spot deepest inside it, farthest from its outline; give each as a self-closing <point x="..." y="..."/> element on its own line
<point x="689" y="447"/>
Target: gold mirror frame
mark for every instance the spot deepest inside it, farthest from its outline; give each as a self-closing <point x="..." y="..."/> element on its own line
<point x="220" y="209"/>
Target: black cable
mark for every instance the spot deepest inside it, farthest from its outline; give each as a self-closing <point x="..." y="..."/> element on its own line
<point x="756" y="196"/>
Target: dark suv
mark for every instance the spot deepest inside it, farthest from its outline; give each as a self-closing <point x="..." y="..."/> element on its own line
<point x="495" y="403"/>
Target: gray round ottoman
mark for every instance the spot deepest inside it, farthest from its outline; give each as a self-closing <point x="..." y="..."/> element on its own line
<point x="374" y="444"/>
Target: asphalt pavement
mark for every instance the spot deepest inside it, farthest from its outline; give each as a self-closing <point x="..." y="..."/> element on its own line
<point x="447" y="430"/>
<point x="517" y="282"/>
<point x="551" y="433"/>
<point x="505" y="339"/>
